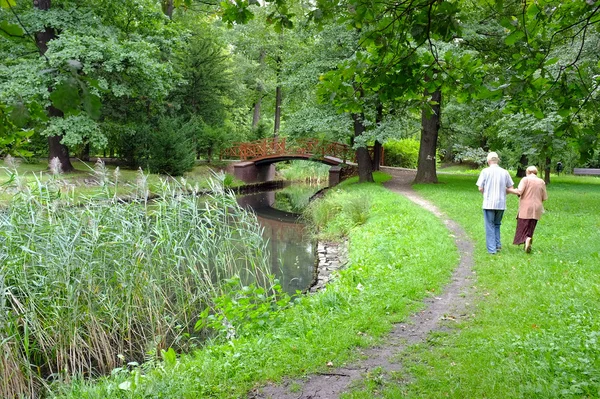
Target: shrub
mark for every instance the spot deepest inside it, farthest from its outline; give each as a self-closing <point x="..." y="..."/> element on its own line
<point x="171" y="150"/>
<point x="403" y="153"/>
<point x="466" y="154"/>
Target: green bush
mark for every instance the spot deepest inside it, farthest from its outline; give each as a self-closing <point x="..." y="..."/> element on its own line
<point x="171" y="150"/>
<point x="403" y="153"/>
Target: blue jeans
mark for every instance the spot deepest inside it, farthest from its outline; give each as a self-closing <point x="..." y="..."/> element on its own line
<point x="492" y="219"/>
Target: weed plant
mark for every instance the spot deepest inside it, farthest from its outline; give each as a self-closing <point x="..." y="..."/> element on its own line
<point x="534" y="331"/>
<point x="295" y="197"/>
<point x="400" y="255"/>
<point x="87" y="288"/>
<point x="304" y="171"/>
<point x="336" y="214"/>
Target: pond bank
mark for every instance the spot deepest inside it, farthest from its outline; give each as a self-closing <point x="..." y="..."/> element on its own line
<point x="331" y="257"/>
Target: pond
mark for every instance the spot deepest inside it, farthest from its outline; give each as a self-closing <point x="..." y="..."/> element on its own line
<point x="291" y="249"/>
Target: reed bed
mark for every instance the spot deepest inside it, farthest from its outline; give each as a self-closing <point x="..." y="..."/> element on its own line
<point x="87" y="288"/>
<point x="305" y="171"/>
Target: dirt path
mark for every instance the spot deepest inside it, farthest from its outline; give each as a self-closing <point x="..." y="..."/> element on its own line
<point x="446" y="308"/>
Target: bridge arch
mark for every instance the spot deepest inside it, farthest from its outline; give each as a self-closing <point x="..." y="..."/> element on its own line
<point x="258" y="158"/>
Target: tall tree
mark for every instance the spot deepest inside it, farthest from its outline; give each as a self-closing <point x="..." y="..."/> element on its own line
<point x="56" y="149"/>
<point x="430" y="122"/>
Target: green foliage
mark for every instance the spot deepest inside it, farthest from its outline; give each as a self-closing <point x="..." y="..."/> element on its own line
<point x="260" y="131"/>
<point x="338" y="213"/>
<point x="304" y="171"/>
<point x="12" y="139"/>
<point x="76" y="129"/>
<point x="466" y="154"/>
<point x="83" y="286"/>
<point x="395" y="263"/>
<point x="245" y="311"/>
<point x="403" y="153"/>
<point x="171" y="151"/>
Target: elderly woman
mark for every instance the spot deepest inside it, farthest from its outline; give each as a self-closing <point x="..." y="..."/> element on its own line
<point x="532" y="192"/>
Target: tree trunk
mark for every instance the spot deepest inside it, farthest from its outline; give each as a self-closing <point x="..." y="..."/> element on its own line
<point x="259" y="93"/>
<point x="256" y="114"/>
<point x="547" y="170"/>
<point x="55" y="148"/>
<point x="85" y="153"/>
<point x="60" y="151"/>
<point x="378" y="146"/>
<point x="277" y="111"/>
<point x="278" y="94"/>
<point x="430" y="120"/>
<point x="168" y="8"/>
<point x="365" y="165"/>
<point x="377" y="149"/>
<point x="521" y="168"/>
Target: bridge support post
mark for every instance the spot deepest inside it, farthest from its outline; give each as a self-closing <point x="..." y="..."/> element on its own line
<point x="335" y="173"/>
<point x="249" y="172"/>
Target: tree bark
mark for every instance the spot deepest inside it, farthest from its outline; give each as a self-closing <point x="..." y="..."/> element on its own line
<point x="377" y="149"/>
<point x="259" y="93"/>
<point x="278" y="93"/>
<point x="547" y="170"/>
<point x="256" y="114"/>
<point x="521" y="168"/>
<point x="365" y="165"/>
<point x="85" y="152"/>
<point x="278" y="96"/>
<point x="55" y="148"/>
<point x="430" y="120"/>
<point x="168" y="8"/>
<point x="378" y="146"/>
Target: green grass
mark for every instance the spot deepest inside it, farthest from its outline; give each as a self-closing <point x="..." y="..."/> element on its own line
<point x="391" y="270"/>
<point x="86" y="284"/>
<point x="83" y="180"/>
<point x="534" y="329"/>
<point x="304" y="171"/>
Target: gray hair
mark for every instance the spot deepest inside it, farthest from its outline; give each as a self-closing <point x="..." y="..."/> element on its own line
<point x="532" y="169"/>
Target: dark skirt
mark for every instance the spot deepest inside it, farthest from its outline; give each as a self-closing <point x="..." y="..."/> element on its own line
<point x="525" y="228"/>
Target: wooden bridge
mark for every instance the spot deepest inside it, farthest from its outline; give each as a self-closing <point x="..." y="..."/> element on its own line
<point x="257" y="158"/>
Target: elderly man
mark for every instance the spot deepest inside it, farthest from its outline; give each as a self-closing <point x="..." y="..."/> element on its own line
<point x="493" y="182"/>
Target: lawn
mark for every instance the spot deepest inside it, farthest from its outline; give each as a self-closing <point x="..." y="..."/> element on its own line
<point x="85" y="180"/>
<point x="534" y="326"/>
<point x="394" y="264"/>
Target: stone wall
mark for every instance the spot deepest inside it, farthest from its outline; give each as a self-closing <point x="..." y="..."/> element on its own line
<point x="331" y="257"/>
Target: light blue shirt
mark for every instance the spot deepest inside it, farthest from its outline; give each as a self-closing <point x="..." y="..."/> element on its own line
<point x="494" y="181"/>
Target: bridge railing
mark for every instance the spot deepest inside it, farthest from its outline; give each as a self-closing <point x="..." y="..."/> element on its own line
<point x="282" y="146"/>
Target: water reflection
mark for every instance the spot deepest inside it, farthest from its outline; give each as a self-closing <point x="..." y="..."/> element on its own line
<point x="291" y="250"/>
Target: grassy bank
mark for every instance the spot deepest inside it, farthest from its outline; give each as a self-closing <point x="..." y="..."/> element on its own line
<point x="87" y="286"/>
<point x="304" y="171"/>
<point x="534" y="328"/>
<point x="394" y="263"/>
<point x="86" y="179"/>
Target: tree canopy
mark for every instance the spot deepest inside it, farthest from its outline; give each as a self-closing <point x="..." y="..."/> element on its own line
<point x="517" y="77"/>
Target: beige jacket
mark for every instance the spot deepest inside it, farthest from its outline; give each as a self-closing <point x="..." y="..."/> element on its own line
<point x="532" y="190"/>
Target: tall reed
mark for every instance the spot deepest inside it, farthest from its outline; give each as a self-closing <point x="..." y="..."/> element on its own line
<point x="86" y="288"/>
<point x="305" y="171"/>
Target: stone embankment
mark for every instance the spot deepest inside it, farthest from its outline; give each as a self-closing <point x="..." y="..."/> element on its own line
<point x="331" y="257"/>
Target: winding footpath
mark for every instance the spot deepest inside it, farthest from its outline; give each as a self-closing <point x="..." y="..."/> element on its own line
<point x="446" y="308"/>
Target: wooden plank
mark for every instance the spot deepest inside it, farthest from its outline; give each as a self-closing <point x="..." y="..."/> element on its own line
<point x="586" y="171"/>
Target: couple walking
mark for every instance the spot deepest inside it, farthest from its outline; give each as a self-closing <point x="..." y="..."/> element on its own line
<point x="494" y="183"/>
